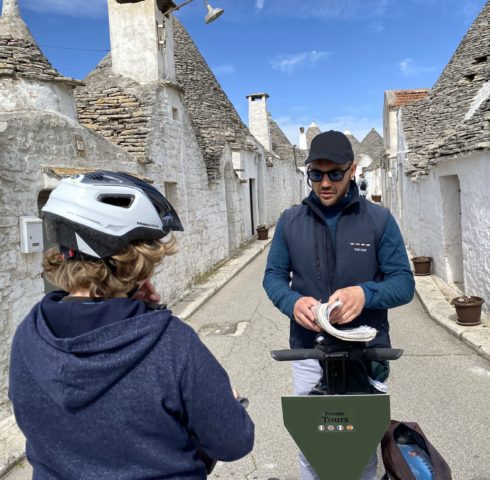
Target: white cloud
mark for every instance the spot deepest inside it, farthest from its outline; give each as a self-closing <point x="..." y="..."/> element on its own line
<point x="325" y="8"/>
<point x="409" y="68"/>
<point x="358" y="126"/>
<point x="376" y="27"/>
<point x="290" y="63"/>
<point x="75" y="8"/>
<point x="224" y="69"/>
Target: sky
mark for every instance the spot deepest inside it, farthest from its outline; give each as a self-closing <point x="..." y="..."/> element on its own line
<point x="322" y="61"/>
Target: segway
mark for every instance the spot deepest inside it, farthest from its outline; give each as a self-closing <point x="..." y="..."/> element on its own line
<point x="339" y="425"/>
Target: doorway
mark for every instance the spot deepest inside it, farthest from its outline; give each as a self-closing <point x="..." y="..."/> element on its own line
<point x="42" y="198"/>
<point x="452" y="231"/>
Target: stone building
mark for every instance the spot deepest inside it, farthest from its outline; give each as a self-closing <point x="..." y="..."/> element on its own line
<point x="393" y="101"/>
<point x="153" y="108"/>
<point x="437" y="144"/>
<point x="369" y="155"/>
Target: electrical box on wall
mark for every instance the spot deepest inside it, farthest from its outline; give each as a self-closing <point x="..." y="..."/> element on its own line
<point x="31" y="235"/>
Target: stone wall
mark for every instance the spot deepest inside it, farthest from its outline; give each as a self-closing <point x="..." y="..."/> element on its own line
<point x="446" y="215"/>
<point x="30" y="145"/>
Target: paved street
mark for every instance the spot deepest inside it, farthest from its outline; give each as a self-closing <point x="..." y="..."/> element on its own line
<point x="439" y="382"/>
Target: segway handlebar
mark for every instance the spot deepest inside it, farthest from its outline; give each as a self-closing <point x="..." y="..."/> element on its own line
<point x="297" y="354"/>
<point x="379" y="354"/>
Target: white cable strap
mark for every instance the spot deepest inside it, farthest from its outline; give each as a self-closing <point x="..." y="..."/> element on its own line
<point x="359" y="334"/>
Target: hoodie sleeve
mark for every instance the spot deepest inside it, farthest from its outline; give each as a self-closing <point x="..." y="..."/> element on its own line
<point x="220" y="423"/>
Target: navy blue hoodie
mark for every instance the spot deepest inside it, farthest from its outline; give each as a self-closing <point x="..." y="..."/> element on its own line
<point x="113" y="390"/>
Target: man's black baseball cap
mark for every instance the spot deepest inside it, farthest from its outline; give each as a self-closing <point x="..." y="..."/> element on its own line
<point x="333" y="146"/>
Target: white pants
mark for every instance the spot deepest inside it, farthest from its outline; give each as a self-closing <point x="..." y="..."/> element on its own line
<point x="306" y="374"/>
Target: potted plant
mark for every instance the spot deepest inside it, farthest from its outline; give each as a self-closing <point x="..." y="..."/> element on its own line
<point x="376" y="198"/>
<point x="262" y="231"/>
<point x="422" y="265"/>
<point x="468" y="309"/>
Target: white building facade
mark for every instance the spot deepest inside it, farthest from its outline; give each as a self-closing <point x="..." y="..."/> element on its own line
<point x="438" y="147"/>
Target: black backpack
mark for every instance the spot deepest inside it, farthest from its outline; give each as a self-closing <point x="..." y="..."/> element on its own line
<point x="363" y="185"/>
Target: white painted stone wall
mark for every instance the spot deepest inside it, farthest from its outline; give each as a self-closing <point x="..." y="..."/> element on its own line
<point x="201" y="206"/>
<point x="283" y="188"/>
<point x="27" y="144"/>
<point x="432" y="225"/>
<point x="25" y="95"/>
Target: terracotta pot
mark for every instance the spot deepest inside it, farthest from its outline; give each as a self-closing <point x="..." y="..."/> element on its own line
<point x="468" y="310"/>
<point x="263" y="233"/>
<point x="376" y="198"/>
<point x="422" y="265"/>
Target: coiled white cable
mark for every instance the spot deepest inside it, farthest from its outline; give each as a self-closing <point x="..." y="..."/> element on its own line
<point x="359" y="334"/>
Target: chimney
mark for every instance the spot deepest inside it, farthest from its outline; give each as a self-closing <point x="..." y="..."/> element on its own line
<point x="302" y="139"/>
<point x="258" y="119"/>
<point x="141" y="41"/>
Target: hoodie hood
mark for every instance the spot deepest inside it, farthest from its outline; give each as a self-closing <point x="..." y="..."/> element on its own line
<point x="76" y="371"/>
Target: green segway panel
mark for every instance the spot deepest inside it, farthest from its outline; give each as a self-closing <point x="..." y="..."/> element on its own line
<point x="338" y="434"/>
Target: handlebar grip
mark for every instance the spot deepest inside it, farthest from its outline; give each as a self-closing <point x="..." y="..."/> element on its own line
<point x="297" y="354"/>
<point x="383" y="353"/>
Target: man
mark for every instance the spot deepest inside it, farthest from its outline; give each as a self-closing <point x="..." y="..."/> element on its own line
<point x="336" y="246"/>
<point x="362" y="185"/>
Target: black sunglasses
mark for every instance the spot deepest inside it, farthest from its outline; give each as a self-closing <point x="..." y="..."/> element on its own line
<point x="333" y="175"/>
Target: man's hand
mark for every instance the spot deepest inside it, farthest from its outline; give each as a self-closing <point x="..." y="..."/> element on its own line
<point x="352" y="299"/>
<point x="303" y="313"/>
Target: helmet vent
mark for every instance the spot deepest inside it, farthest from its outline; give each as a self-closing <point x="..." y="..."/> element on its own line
<point x="123" y="201"/>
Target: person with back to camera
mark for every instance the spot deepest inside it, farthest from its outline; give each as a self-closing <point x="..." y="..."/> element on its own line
<point x="103" y="385"/>
<point x="336" y="245"/>
<point x="362" y="185"/>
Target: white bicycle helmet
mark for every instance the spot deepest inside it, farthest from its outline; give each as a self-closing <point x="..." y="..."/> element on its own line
<point x="99" y="213"/>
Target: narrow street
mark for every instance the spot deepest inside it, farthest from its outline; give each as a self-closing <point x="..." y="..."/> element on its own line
<point x="439" y="382"/>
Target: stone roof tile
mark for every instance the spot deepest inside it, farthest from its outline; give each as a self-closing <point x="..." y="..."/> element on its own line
<point x="373" y="145"/>
<point x="435" y="125"/>
<point x="213" y="116"/>
<point x="117" y="108"/>
<point x="21" y="58"/>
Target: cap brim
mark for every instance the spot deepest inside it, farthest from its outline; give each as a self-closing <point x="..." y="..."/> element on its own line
<point x="332" y="157"/>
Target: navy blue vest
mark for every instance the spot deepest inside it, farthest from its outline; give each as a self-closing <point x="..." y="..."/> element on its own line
<point x="319" y="269"/>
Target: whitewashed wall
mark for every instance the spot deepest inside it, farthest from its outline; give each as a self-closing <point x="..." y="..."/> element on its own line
<point x="284" y="187"/>
<point x="179" y="170"/>
<point x="432" y="225"/>
<point x="26" y="95"/>
<point x="27" y="144"/>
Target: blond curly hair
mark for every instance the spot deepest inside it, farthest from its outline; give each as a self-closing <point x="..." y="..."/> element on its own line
<point x="133" y="264"/>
